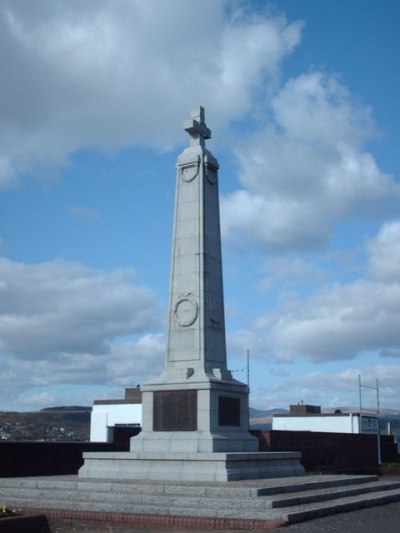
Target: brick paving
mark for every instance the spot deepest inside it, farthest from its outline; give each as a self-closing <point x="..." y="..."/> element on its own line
<point x="61" y="521"/>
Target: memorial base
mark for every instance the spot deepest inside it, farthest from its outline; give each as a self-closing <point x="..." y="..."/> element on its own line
<point x="194" y="442"/>
<point x="191" y="466"/>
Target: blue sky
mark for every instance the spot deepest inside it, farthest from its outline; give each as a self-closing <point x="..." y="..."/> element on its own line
<point x="302" y="100"/>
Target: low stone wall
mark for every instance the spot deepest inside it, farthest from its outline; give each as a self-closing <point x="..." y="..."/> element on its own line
<point x="47" y="458"/>
<point x="389" y="449"/>
<point x="331" y="452"/>
<point x="326" y="452"/>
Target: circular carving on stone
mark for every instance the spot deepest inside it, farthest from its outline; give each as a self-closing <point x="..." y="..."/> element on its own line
<point x="186" y="311"/>
<point x="191" y="171"/>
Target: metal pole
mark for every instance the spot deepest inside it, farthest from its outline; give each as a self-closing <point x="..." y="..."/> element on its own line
<point x="248" y="381"/>
<point x="248" y="369"/>
<point x="359" y="393"/>
<point x="379" y="427"/>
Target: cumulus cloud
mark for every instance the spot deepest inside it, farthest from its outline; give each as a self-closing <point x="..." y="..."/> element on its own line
<point x="127" y="362"/>
<point x="63" y="324"/>
<point x="62" y="307"/>
<point x="239" y="341"/>
<point x="334" y="389"/>
<point x="343" y="320"/>
<point x="108" y="74"/>
<point x="48" y="381"/>
<point x="141" y="359"/>
<point x="340" y="322"/>
<point x="384" y="250"/>
<point x="306" y="169"/>
<point x="36" y="399"/>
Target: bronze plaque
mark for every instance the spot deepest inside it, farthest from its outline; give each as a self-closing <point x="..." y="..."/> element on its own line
<point x="175" y="410"/>
<point x="228" y="411"/>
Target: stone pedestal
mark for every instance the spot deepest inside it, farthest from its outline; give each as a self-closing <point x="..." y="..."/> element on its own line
<point x="191" y="466"/>
<point x="193" y="416"/>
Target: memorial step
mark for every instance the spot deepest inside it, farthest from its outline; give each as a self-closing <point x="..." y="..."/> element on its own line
<point x="289" y="499"/>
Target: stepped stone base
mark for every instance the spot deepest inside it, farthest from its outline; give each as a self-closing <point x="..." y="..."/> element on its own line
<point x="246" y="505"/>
<point x="191" y="466"/>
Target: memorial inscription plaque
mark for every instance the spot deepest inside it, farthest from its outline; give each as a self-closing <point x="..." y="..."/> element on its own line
<point x="228" y="411"/>
<point x="175" y="410"/>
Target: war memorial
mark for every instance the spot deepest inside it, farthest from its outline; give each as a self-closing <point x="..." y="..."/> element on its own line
<point x="195" y="415"/>
<point x="194" y="466"/>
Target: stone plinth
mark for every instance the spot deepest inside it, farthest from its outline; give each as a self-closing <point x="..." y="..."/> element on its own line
<point x="195" y="416"/>
<point x="191" y="466"/>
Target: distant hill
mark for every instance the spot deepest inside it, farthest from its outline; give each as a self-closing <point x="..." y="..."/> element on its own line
<point x="263" y="419"/>
<point x="258" y="413"/>
<point x="70" y="423"/>
<point x="67" y="408"/>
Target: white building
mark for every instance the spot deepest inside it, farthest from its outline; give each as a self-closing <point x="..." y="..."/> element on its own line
<point x="109" y="414"/>
<point x="310" y="418"/>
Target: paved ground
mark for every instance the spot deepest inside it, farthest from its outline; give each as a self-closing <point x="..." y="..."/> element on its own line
<point x="382" y="519"/>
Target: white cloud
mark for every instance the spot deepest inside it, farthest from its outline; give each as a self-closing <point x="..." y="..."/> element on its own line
<point x="64" y="325"/>
<point x="60" y="307"/>
<point x="78" y="378"/>
<point x="315" y="108"/>
<point x="239" y="341"/>
<point x="278" y="223"/>
<point x="140" y="360"/>
<point x="384" y="250"/>
<point x="79" y="211"/>
<point x="306" y="169"/>
<point x="292" y="270"/>
<point x="110" y="74"/>
<point x="126" y="364"/>
<point x="333" y="389"/>
<point x="341" y="321"/>
<point x="36" y="399"/>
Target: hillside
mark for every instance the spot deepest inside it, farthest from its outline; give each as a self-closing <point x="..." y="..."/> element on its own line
<point x="50" y="424"/>
<point x="72" y="423"/>
<point x="263" y="419"/>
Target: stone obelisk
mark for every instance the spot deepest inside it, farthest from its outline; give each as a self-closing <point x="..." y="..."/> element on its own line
<point x="195" y="415"/>
<point x="196" y="405"/>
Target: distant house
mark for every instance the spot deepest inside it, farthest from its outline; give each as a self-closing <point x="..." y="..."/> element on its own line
<point x="309" y="418"/>
<point x="110" y="415"/>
